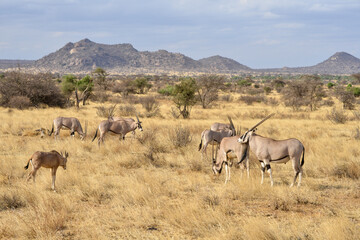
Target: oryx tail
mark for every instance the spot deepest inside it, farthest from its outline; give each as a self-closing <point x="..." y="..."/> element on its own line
<point x="52" y="129"/>
<point x="200" y="145"/>
<point x="95" y="134"/>
<point x="27" y="165"/>
<point x="303" y="155"/>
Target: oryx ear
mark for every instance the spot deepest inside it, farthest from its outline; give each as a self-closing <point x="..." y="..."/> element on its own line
<point x="66" y="154"/>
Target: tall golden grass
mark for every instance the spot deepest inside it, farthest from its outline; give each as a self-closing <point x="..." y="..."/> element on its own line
<point x="146" y="188"/>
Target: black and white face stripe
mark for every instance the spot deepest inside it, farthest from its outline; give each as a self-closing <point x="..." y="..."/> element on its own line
<point x="139" y="126"/>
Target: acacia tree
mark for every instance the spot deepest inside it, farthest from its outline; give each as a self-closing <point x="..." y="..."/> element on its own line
<point x="100" y="76"/>
<point x="357" y="77"/>
<point x="307" y="91"/>
<point x="208" y="87"/>
<point x="184" y="96"/>
<point x="82" y="88"/>
<point x="142" y="85"/>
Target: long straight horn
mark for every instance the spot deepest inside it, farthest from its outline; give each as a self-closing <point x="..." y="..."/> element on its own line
<point x="137" y="117"/>
<point x="232" y="125"/>
<point x="261" y="121"/>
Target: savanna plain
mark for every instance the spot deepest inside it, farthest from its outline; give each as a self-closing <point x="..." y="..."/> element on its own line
<point x="146" y="188"/>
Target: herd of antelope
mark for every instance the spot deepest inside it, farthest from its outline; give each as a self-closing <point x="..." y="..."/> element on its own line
<point x="223" y="137"/>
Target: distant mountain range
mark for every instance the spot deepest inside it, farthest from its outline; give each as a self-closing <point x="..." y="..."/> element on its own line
<point x="85" y="55"/>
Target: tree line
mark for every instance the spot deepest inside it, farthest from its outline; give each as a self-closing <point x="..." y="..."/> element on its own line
<point x="23" y="90"/>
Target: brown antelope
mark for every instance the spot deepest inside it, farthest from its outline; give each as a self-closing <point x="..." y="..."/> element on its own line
<point x="68" y="122"/>
<point x="222" y="126"/>
<point x="268" y="151"/>
<point x="128" y="120"/>
<point x="51" y="160"/>
<point x="121" y="127"/>
<point x="213" y="138"/>
<point x="230" y="149"/>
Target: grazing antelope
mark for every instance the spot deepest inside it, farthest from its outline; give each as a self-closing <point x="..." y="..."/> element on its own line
<point x="68" y="122"/>
<point x="51" y="160"/>
<point x="213" y="138"/>
<point x="121" y="127"/>
<point x="129" y="120"/>
<point x="268" y="151"/>
<point x="229" y="149"/>
<point x="222" y="126"/>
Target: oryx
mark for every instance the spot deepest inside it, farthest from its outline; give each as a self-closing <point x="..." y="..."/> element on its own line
<point x="129" y="120"/>
<point x="222" y="126"/>
<point x="121" y="127"/>
<point x="68" y="122"/>
<point x="228" y="150"/>
<point x="51" y="160"/>
<point x="268" y="151"/>
<point x="213" y="138"/>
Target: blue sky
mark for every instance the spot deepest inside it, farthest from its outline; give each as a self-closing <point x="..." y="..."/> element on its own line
<point x="257" y="33"/>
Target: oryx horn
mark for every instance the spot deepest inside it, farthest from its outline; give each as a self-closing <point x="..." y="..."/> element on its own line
<point x="232" y="125"/>
<point x="261" y="121"/>
<point x="137" y="117"/>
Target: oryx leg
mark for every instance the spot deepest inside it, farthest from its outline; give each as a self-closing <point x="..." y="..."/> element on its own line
<point x="262" y="171"/>
<point x="203" y="151"/>
<point x="72" y="132"/>
<point x="53" y="178"/>
<point x="56" y="133"/>
<point x="268" y="168"/>
<point x="32" y="173"/>
<point x="247" y="163"/>
<point x="297" y="171"/>
<point x="227" y="173"/>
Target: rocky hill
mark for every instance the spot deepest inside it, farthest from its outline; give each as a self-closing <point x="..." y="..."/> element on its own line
<point x="85" y="55"/>
<point x="337" y="64"/>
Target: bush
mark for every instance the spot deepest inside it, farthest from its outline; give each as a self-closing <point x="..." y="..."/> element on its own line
<point x="105" y="112"/>
<point x="151" y="106"/>
<point x="127" y="110"/>
<point x="330" y="85"/>
<point x="337" y="116"/>
<point x="227" y="98"/>
<point x="38" y="88"/>
<point x="328" y="102"/>
<point x="347" y="170"/>
<point x="100" y="96"/>
<point x="180" y="136"/>
<point x="167" y="91"/>
<point x="267" y="90"/>
<point x="271" y="101"/>
<point x="19" y="102"/>
<point x="249" y="100"/>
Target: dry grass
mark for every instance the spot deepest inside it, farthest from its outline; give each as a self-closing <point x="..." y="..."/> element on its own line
<point x="145" y="188"/>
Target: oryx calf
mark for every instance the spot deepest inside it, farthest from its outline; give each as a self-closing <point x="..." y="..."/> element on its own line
<point x="212" y="138"/>
<point x="119" y="127"/>
<point x="51" y="160"/>
<point x="268" y="151"/>
<point x="68" y="122"/>
<point x="229" y="150"/>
